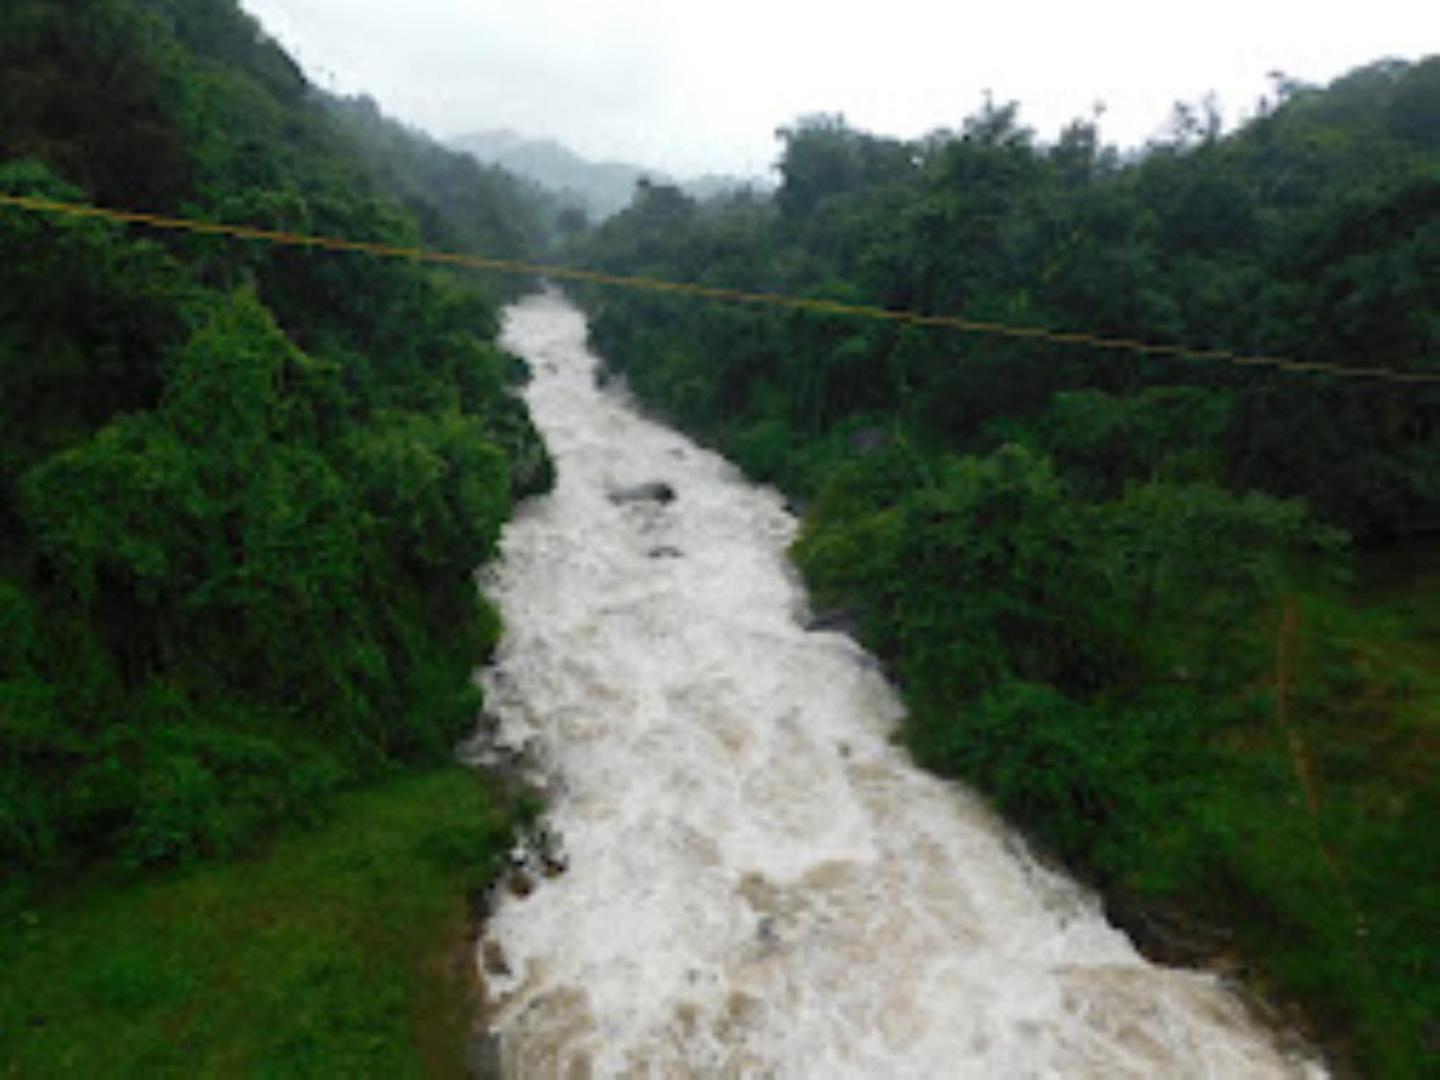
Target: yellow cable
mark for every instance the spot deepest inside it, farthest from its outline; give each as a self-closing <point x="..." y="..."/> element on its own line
<point x="34" y="204"/>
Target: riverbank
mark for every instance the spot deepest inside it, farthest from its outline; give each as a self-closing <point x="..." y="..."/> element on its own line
<point x="338" y="951"/>
<point x="1290" y="851"/>
<point x="759" y="879"/>
<point x="1168" y="688"/>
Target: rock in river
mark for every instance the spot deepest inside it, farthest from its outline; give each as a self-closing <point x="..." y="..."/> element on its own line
<point x="653" y="491"/>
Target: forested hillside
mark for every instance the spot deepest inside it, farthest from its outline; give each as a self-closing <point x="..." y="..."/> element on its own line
<point x="595" y="189"/>
<point x="461" y="202"/>
<point x="1119" y="589"/>
<point x="243" y="489"/>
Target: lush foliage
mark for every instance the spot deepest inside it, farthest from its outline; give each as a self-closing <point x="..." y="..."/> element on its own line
<point x="244" y="488"/>
<point x="459" y="203"/>
<point x="1114" y="587"/>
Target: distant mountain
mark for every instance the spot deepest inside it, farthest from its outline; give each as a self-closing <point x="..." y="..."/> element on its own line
<point x="600" y="188"/>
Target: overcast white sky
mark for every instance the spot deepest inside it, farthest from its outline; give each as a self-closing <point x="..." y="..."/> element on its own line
<point x="698" y="87"/>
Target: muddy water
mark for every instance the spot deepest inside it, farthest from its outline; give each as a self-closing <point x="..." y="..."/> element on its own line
<point x="758" y="882"/>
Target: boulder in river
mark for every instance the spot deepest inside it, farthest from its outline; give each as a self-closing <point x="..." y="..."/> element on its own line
<point x="843" y="620"/>
<point x="656" y="491"/>
<point x="482" y="1057"/>
<point x="493" y="958"/>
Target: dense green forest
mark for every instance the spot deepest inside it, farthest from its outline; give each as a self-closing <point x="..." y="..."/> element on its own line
<point x="243" y="489"/>
<point x="594" y="190"/>
<point x="1154" y="607"/>
<point x="1119" y="591"/>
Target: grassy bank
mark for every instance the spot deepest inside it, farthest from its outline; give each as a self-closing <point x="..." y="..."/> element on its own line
<point x="335" y="952"/>
<point x="1312" y="872"/>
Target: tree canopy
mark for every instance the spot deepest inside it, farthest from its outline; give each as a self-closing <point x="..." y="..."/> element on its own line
<point x="244" y="489"/>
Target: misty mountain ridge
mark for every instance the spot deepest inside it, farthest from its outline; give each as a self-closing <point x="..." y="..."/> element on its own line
<point x="600" y="188"/>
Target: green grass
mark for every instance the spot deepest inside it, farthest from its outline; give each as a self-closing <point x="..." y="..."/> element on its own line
<point x="335" y="953"/>
<point x="1341" y="910"/>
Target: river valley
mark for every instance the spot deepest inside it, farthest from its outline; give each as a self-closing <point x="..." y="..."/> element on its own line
<point x="757" y="881"/>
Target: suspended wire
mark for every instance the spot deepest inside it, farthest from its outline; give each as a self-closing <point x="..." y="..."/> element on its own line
<point x="37" y="205"/>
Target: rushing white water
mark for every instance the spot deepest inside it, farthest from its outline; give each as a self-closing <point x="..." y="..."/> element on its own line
<point x="759" y="883"/>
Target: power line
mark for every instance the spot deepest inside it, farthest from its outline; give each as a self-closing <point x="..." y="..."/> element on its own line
<point x="34" y="204"/>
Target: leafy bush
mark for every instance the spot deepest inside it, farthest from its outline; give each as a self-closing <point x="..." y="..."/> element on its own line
<point x="244" y="488"/>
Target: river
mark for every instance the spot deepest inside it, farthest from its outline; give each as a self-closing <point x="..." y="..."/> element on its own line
<point x="758" y="881"/>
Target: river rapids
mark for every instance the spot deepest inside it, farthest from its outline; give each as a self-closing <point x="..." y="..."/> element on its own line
<point x="758" y="882"/>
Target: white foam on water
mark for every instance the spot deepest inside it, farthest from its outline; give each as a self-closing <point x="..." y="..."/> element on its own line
<point x="759" y="882"/>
